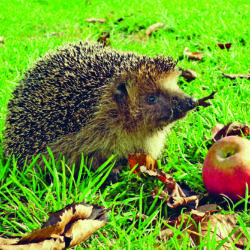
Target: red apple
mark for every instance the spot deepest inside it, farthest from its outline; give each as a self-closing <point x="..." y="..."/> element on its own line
<point x="227" y="167"/>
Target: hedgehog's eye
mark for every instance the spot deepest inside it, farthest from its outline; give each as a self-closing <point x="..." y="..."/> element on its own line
<point x="152" y="99"/>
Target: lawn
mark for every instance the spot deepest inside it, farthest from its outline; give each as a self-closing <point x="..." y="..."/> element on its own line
<point x="29" y="29"/>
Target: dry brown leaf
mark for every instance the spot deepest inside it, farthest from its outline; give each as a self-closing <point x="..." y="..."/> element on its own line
<point x="95" y="20"/>
<point x="58" y="221"/>
<point x="223" y="225"/>
<point x="65" y="228"/>
<point x="208" y="208"/>
<point x="166" y="234"/>
<point x="202" y="223"/>
<point x="188" y="74"/>
<point x="234" y="76"/>
<point x="81" y="230"/>
<point x="202" y="102"/>
<point x="8" y="241"/>
<point x="184" y="223"/>
<point x="142" y="216"/>
<point x="216" y="129"/>
<point x="53" y="243"/>
<point x="198" y="56"/>
<point x="225" y="45"/>
<point x="231" y="129"/>
<point x="1" y="41"/>
<point x="173" y="193"/>
<point x="153" y="28"/>
<point x="104" y="38"/>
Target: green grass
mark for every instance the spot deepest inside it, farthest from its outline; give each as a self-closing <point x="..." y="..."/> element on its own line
<point x="32" y="28"/>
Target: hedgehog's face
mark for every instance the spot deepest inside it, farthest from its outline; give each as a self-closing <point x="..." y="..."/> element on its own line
<point x="154" y="103"/>
<point x="165" y="106"/>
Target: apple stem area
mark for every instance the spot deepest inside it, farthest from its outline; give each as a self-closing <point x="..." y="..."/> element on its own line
<point x="228" y="154"/>
<point x="228" y="150"/>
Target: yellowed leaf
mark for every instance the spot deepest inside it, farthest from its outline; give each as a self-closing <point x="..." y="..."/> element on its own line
<point x="198" y="56"/>
<point x="153" y="28"/>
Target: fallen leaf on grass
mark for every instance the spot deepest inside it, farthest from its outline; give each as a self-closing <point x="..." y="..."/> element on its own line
<point x="209" y="208"/>
<point x="225" y="45"/>
<point x="173" y="194"/>
<point x="65" y="228"/>
<point x="224" y="226"/>
<point x="202" y="102"/>
<point x="234" y="76"/>
<point x="153" y="28"/>
<point x="1" y="41"/>
<point x="198" y="56"/>
<point x="95" y="20"/>
<point x="188" y="74"/>
<point x="198" y="223"/>
<point x="8" y="241"/>
<point x="232" y="128"/>
<point x="104" y="38"/>
<point x="81" y="230"/>
<point x="221" y="226"/>
<point x="53" y="243"/>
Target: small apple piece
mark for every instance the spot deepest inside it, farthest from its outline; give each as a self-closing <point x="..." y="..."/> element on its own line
<point x="226" y="167"/>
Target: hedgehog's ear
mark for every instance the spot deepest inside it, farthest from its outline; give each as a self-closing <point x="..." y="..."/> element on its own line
<point x="121" y="92"/>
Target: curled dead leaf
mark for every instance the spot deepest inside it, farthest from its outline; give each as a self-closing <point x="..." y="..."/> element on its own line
<point x="67" y="227"/>
<point x="198" y="56"/>
<point x="54" y="243"/>
<point x="222" y="226"/>
<point x="81" y="230"/>
<point x="231" y="129"/>
<point x="57" y="222"/>
<point x="225" y="45"/>
<point x="234" y="76"/>
<point x="104" y="38"/>
<point x="209" y="208"/>
<point x="95" y="20"/>
<point x="188" y="74"/>
<point x="1" y="41"/>
<point x="153" y="28"/>
<point x="216" y="129"/>
<point x="173" y="193"/>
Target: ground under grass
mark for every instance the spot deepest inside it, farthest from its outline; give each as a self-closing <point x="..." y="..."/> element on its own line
<point x="29" y="29"/>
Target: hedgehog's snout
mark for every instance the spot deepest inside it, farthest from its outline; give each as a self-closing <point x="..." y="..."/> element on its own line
<point x="182" y="105"/>
<point x="186" y="104"/>
<point x="191" y="103"/>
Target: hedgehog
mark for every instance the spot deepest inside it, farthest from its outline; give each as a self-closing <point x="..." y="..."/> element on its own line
<point x="88" y="99"/>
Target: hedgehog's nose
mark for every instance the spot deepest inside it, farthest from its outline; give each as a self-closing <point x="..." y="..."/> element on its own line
<point x="191" y="103"/>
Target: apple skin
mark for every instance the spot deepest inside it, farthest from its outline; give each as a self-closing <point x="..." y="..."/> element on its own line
<point x="226" y="167"/>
